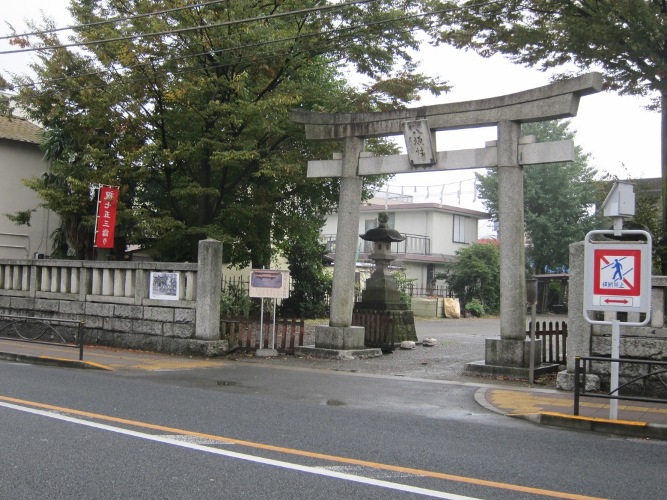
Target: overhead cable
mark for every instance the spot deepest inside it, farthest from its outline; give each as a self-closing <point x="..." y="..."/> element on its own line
<point x="187" y="29"/>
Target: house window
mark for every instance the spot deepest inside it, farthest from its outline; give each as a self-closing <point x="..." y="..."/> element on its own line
<point x="459" y="235"/>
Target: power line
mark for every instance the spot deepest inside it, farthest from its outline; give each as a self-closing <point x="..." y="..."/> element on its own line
<point x="158" y="74"/>
<point x="326" y="43"/>
<point x="191" y="28"/>
<point x="110" y="21"/>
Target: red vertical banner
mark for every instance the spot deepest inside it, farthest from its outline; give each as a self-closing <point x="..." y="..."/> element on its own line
<point x="106" y="216"/>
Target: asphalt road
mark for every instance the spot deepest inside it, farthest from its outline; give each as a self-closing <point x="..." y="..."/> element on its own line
<point x="245" y="430"/>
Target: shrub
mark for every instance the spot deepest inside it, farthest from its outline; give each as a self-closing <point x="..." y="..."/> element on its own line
<point x="234" y="301"/>
<point x="475" y="307"/>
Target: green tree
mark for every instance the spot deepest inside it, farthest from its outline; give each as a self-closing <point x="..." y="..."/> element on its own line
<point x="476" y="275"/>
<point x="626" y="39"/>
<point x="311" y="284"/>
<point x="558" y="201"/>
<point x="187" y="109"/>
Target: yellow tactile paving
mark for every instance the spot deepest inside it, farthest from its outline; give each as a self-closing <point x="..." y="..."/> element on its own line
<point x="522" y="402"/>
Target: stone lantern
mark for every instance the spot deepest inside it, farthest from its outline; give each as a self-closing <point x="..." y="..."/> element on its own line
<point x="381" y="295"/>
<point x="381" y="291"/>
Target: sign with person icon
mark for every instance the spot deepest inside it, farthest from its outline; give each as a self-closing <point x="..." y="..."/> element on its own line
<point x="617" y="277"/>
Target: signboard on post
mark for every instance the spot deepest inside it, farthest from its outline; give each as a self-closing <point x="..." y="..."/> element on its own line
<point x="269" y="283"/>
<point x="617" y="277"/>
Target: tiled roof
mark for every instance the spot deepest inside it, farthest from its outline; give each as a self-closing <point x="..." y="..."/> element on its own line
<point x="18" y="129"/>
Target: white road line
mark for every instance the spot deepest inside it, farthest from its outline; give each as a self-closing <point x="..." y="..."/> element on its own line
<point x="241" y="456"/>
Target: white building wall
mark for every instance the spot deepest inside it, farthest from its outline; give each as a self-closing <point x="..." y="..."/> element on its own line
<point x="20" y="161"/>
<point x="432" y="222"/>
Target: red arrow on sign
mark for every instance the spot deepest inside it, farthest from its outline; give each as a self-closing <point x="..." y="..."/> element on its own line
<point x="616" y="301"/>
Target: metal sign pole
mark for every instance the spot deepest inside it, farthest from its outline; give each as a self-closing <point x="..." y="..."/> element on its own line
<point x="261" y="322"/>
<point x="273" y="330"/>
<point x="615" y="354"/>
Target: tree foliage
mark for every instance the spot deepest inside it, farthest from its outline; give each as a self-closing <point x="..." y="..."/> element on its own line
<point x="558" y="201"/>
<point x="187" y="110"/>
<point x="311" y="283"/>
<point x="476" y="275"/>
<point x="625" y="39"/>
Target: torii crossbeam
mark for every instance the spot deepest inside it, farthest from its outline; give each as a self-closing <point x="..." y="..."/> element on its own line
<point x="509" y="153"/>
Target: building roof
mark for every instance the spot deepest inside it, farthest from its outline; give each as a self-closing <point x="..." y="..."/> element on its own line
<point x="18" y="129"/>
<point x="396" y="207"/>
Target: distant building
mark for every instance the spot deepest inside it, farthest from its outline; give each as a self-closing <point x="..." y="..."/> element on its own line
<point x="21" y="158"/>
<point x="433" y="233"/>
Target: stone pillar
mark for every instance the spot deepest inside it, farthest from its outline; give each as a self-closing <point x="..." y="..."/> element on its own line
<point x="511" y="234"/>
<point x="510" y="353"/>
<point x="347" y="236"/>
<point x="578" y="329"/>
<point x="339" y="339"/>
<point x="209" y="279"/>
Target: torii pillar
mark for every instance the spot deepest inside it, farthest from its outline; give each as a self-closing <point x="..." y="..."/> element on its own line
<point x="510" y="351"/>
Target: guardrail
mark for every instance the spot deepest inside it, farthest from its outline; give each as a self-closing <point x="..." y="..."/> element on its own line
<point x="580" y="379"/>
<point x="43" y="331"/>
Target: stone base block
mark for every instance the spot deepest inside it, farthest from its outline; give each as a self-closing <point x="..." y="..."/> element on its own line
<point x="339" y="337"/>
<point x="170" y="345"/>
<point x="482" y="368"/>
<point x="266" y="353"/>
<point x="565" y="382"/>
<point x="516" y="353"/>
<point x="195" y="347"/>
<point x="340" y="354"/>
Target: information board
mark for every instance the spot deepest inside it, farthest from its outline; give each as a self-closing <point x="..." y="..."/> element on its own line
<point x="269" y="283"/>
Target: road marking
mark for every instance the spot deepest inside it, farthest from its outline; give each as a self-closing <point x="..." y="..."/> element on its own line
<point x="318" y="471"/>
<point x="303" y="453"/>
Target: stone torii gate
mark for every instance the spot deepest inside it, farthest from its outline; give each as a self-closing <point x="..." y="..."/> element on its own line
<point x="508" y="154"/>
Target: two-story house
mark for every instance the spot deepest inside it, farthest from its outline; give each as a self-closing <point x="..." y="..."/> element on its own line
<point x="21" y="158"/>
<point x="433" y="234"/>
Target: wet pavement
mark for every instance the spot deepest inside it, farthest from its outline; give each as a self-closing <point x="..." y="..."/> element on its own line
<point x="457" y="343"/>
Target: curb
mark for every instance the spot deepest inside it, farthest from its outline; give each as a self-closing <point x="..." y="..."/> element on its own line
<point x="629" y="428"/>
<point x="47" y="361"/>
<point x="618" y="427"/>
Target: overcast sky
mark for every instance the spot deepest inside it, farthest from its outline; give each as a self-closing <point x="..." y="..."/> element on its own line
<point x="622" y="137"/>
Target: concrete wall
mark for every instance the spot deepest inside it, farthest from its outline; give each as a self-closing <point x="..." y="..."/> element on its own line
<point x="18" y="161"/>
<point x="114" y="300"/>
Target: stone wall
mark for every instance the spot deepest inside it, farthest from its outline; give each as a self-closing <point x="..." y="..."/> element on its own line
<point x="118" y="305"/>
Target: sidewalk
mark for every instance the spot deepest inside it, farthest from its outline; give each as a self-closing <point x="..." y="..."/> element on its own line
<point x="442" y="363"/>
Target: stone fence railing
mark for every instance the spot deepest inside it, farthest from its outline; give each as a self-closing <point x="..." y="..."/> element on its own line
<point x="92" y="281"/>
<point x="172" y="307"/>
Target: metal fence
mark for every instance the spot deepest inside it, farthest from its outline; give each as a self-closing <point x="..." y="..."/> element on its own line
<point x="49" y="331"/>
<point x="648" y="371"/>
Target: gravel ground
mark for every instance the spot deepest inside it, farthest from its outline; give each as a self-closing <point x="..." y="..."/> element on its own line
<point x="459" y="341"/>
